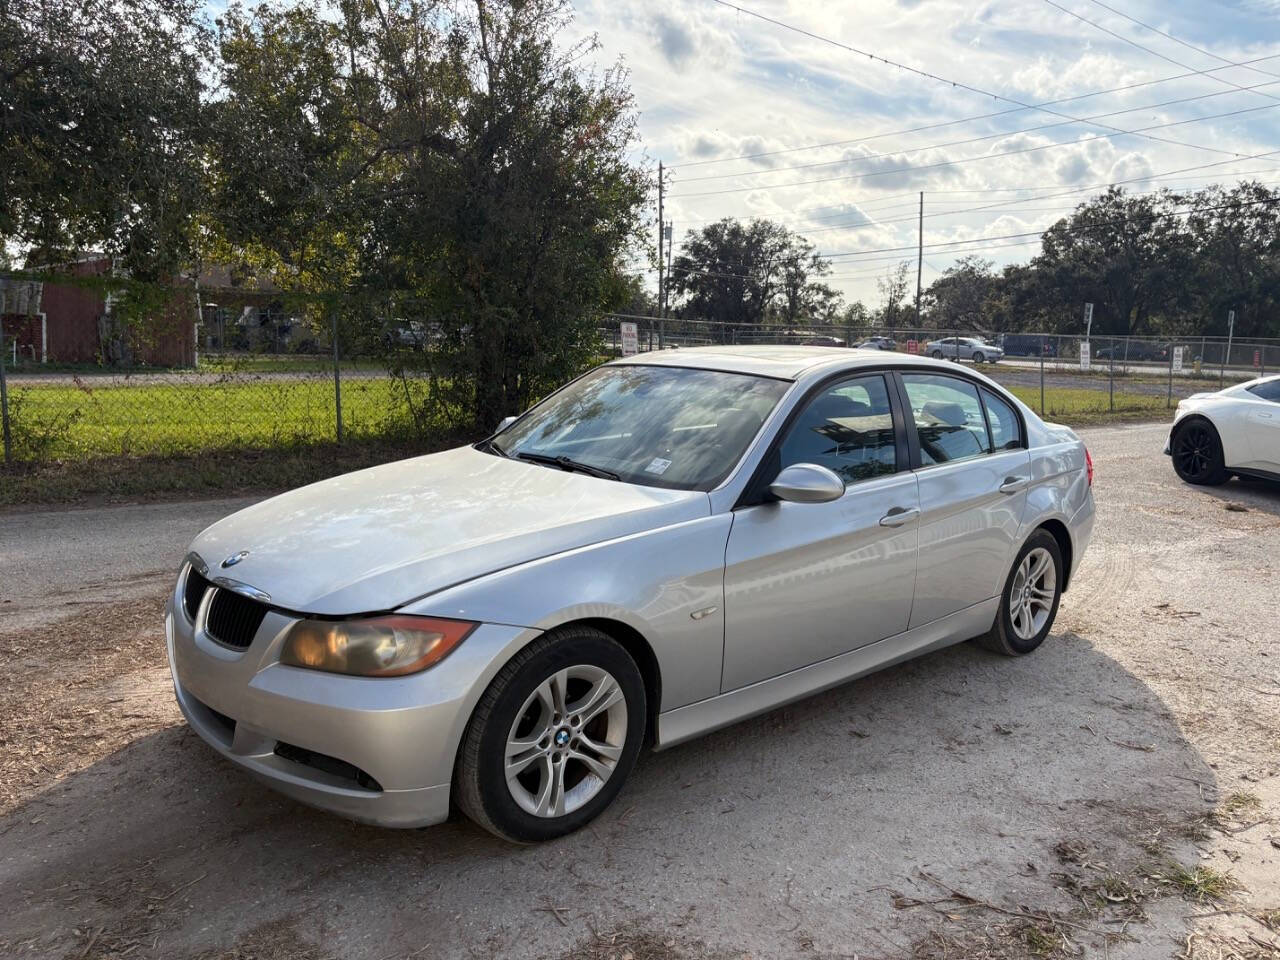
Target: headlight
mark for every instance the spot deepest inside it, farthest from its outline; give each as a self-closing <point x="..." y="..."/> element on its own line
<point x="377" y="647"/>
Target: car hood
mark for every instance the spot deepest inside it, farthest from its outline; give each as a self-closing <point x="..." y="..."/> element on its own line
<point x="376" y="539"/>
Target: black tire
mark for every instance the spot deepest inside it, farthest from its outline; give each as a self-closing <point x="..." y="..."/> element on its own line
<point x="937" y="354"/>
<point x="1003" y="638"/>
<point x="480" y="787"/>
<point x="979" y="357"/>
<point x="1196" y="451"/>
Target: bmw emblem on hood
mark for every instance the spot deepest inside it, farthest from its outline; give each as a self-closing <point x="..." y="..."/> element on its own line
<point x="235" y="558"/>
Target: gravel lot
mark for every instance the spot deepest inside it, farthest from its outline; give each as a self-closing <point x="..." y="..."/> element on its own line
<point x="1115" y="795"/>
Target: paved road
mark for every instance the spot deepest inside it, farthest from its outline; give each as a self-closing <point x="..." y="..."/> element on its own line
<point x="46" y="553"/>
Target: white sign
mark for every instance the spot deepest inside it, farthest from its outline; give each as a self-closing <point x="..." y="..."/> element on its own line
<point x="630" y="338"/>
<point x="1084" y="353"/>
<point x="1177" y="359"/>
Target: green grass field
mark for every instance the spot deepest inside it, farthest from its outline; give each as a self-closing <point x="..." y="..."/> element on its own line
<point x="84" y="422"/>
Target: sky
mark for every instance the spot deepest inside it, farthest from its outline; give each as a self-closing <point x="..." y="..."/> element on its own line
<point x="712" y="84"/>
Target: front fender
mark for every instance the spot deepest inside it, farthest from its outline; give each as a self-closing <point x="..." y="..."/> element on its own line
<point x="654" y="582"/>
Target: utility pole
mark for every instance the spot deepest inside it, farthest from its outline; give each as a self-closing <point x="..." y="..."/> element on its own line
<point x="920" y="259"/>
<point x="662" y="289"/>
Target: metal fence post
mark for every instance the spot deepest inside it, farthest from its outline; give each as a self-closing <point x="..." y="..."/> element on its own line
<point x="1169" y="400"/>
<point x="4" y="390"/>
<point x="1044" y="345"/>
<point x="337" y="375"/>
<point x="1111" y="378"/>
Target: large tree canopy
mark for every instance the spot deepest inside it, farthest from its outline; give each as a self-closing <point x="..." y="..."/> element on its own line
<point x="739" y="274"/>
<point x="102" y="129"/>
<point x="453" y="155"/>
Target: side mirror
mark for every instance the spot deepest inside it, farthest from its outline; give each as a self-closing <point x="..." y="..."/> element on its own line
<point x="807" y="483"/>
<point x="506" y="422"/>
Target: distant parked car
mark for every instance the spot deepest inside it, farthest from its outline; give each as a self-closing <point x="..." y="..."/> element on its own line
<point x="1233" y="431"/>
<point x="823" y="342"/>
<point x="1134" y="350"/>
<point x="1027" y="345"/>
<point x="878" y="343"/>
<point x="964" y="348"/>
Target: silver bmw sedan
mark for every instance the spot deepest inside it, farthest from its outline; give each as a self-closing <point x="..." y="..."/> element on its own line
<point x="666" y="545"/>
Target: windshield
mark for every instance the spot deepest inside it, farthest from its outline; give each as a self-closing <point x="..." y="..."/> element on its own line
<point x="659" y="426"/>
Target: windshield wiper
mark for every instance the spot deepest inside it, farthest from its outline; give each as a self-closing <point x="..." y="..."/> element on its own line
<point x="492" y="446"/>
<point x="567" y="463"/>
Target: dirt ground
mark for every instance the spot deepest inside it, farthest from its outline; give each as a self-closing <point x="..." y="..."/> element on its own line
<point x="1115" y="795"/>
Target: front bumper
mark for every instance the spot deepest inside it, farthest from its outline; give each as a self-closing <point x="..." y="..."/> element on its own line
<point x="376" y="750"/>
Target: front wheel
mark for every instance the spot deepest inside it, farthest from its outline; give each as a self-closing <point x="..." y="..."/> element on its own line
<point x="937" y="354"/>
<point x="978" y="357"/>
<point x="1197" y="454"/>
<point x="553" y="738"/>
<point x="1029" y="603"/>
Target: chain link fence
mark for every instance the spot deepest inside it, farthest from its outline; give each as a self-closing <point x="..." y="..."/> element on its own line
<point x="261" y="379"/>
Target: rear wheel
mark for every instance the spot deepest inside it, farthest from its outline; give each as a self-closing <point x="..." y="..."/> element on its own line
<point x="978" y="357"/>
<point x="1197" y="453"/>
<point x="1029" y="603"/>
<point x="937" y="354"/>
<point x="553" y="738"/>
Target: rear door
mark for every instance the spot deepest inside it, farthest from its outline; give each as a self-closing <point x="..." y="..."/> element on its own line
<point x="973" y="469"/>
<point x="807" y="581"/>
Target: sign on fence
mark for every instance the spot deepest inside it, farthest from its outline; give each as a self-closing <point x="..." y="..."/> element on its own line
<point x="1084" y="354"/>
<point x="1257" y="359"/>
<point x="913" y="346"/>
<point x="630" y="338"/>
<point x="1177" y="359"/>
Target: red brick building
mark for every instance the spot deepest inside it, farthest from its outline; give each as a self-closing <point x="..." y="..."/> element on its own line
<point x="68" y="323"/>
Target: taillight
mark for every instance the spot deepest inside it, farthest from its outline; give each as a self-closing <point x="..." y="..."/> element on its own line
<point x="1088" y="462"/>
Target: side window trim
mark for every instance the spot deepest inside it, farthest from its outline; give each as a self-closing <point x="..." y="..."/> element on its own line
<point x="754" y="492"/>
<point x="985" y="392"/>
<point x="913" y="438"/>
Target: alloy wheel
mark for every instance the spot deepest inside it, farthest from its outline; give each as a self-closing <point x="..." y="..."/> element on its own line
<point x="1194" y="450"/>
<point x="1032" y="593"/>
<point x="566" y="741"/>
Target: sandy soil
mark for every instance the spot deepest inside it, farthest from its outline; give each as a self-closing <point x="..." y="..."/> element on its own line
<point x="1115" y="795"/>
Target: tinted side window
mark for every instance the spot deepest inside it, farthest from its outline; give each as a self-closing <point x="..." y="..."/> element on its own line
<point x="1005" y="434"/>
<point x="948" y="418"/>
<point x="847" y="428"/>
<point x="1267" y="391"/>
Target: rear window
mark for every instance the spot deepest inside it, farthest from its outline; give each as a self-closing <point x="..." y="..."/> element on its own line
<point x="1267" y="390"/>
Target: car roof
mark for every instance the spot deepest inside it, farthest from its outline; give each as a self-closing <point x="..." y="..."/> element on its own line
<point x="782" y="362"/>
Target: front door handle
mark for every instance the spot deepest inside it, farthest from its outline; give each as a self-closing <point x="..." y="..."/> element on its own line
<point x="899" y="516"/>
<point x="1014" y="484"/>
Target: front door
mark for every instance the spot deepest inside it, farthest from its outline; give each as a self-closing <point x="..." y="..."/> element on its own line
<point x="808" y="581"/>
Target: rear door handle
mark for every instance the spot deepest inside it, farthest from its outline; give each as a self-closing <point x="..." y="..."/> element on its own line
<point x="1014" y="484"/>
<point x="899" y="516"/>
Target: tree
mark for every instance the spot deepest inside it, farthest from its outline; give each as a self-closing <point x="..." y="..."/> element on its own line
<point x="742" y="274"/>
<point x="957" y="300"/>
<point x="102" y="133"/>
<point x="893" y="286"/>
<point x="1126" y="254"/>
<point x="1236" y="235"/>
<point x="453" y="154"/>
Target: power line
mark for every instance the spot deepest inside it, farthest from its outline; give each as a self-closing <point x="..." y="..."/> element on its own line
<point x="1146" y="49"/>
<point x="985" y="243"/>
<point x="983" y="116"/>
<point x="1190" y="46"/>
<point x="954" y="83"/>
<point x="988" y="156"/>
<point x="1037" y="196"/>
<point x="1155" y="215"/>
<point x="989" y="136"/>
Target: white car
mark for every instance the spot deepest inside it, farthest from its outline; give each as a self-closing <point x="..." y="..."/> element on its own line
<point x="964" y="348"/>
<point x="1235" y="431"/>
